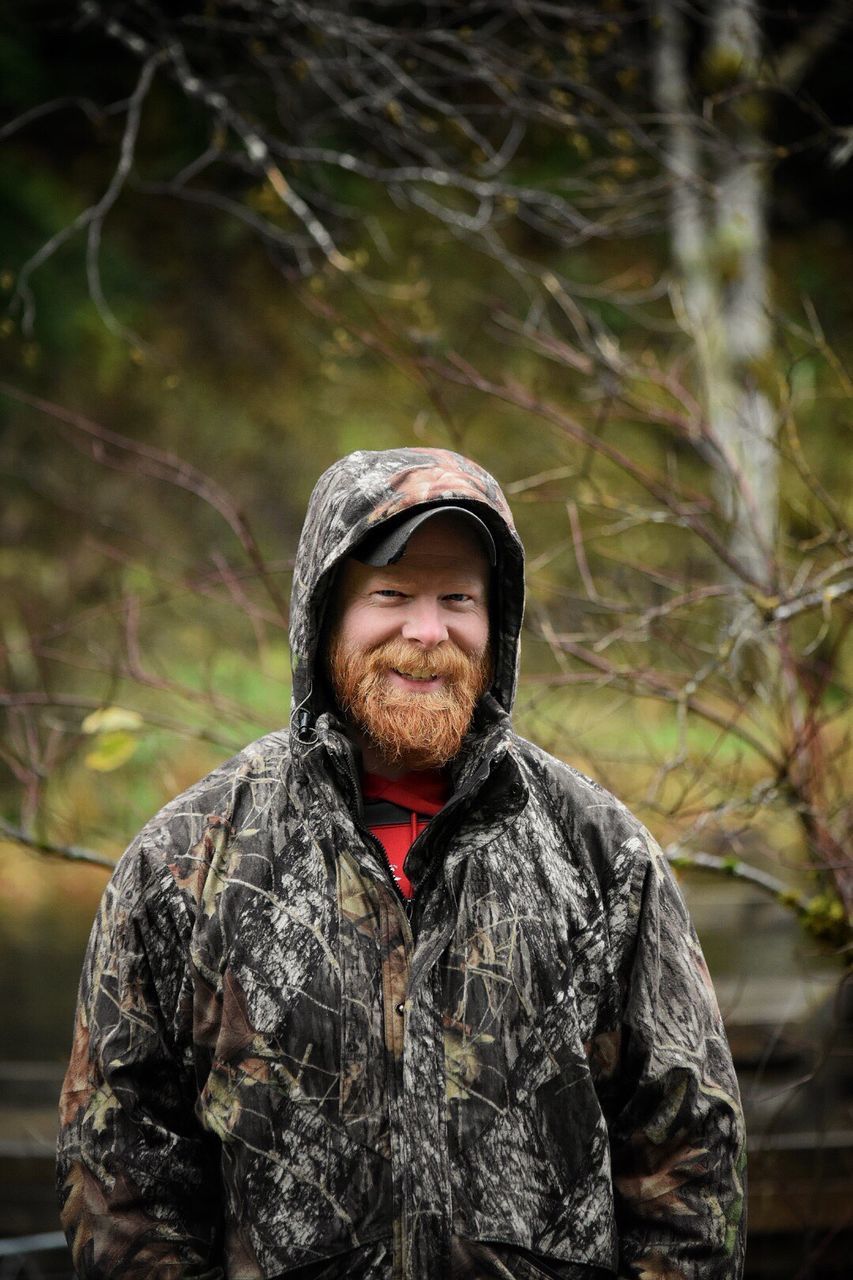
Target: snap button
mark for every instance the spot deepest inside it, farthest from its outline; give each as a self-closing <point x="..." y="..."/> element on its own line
<point x="401" y="1008"/>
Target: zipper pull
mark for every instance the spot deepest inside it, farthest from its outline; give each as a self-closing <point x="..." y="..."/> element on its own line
<point x="304" y="732"/>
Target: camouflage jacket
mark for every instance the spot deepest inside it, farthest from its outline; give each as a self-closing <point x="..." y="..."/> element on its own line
<point x="276" y="1071"/>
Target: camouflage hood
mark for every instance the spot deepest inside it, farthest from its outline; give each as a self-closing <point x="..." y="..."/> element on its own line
<point x="355" y="496"/>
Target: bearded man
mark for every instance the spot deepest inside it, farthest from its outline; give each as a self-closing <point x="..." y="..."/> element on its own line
<point x="396" y="995"/>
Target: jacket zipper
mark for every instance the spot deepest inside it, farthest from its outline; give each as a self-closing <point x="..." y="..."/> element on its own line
<point x="406" y="908"/>
<point x="403" y="906"/>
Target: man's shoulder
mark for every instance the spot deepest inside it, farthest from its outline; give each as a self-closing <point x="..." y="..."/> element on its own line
<point x="249" y="774"/>
<point x="242" y="793"/>
<point x="595" y="819"/>
<point x="569" y="784"/>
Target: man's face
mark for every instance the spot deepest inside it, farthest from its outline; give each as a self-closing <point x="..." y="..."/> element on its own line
<point x="409" y="652"/>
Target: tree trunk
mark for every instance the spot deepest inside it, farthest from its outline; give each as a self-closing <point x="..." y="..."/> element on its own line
<point x="719" y="243"/>
<point x="715" y="153"/>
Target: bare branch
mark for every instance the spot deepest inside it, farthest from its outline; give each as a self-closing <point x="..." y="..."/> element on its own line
<point x="684" y="859"/>
<point x="67" y="852"/>
<point x="86" y="105"/>
<point x="44" y="698"/>
<point x="257" y="149"/>
<point x="158" y="464"/>
<point x="93" y="216"/>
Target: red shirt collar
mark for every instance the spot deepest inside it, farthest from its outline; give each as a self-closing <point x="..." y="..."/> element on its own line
<point x="422" y="790"/>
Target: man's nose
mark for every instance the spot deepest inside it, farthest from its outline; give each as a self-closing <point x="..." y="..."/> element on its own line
<point x="424" y="623"/>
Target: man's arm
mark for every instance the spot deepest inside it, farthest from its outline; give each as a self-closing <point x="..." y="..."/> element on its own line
<point x="677" y="1136"/>
<point x="138" y="1186"/>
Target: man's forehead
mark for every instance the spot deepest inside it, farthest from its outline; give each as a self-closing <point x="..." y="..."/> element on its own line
<point x="448" y="544"/>
<point x="442" y="549"/>
<point x="422" y="564"/>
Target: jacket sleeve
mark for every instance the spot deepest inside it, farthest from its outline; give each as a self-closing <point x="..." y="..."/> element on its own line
<point x="137" y="1182"/>
<point x="677" y="1136"/>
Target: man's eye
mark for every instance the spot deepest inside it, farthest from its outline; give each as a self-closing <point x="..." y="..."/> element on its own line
<point x="457" y="595"/>
<point x="387" y="592"/>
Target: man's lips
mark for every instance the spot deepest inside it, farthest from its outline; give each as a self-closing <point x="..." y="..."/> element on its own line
<point x="409" y="680"/>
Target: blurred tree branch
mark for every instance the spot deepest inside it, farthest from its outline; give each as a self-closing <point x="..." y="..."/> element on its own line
<point x="69" y="853"/>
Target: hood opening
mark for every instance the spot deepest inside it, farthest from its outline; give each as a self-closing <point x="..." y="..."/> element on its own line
<point x="352" y="499"/>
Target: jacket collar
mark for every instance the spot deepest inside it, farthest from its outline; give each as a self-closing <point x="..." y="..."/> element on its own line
<point x="483" y="747"/>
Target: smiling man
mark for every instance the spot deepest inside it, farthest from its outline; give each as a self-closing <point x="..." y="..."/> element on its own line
<point x="409" y="653"/>
<point x="394" y="994"/>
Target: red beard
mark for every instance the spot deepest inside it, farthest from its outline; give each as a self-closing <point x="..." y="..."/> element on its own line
<point x="410" y="729"/>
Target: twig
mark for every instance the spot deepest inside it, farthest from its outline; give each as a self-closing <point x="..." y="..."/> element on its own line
<point x="93" y="216"/>
<point x="158" y="464"/>
<point x="687" y="860"/>
<point x="67" y="852"/>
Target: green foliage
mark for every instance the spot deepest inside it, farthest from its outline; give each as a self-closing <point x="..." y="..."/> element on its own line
<point x="825" y="919"/>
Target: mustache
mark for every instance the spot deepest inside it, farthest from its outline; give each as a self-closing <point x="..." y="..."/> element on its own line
<point x="446" y="660"/>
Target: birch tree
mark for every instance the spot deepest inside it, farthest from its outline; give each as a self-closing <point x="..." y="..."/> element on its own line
<point x="720" y="161"/>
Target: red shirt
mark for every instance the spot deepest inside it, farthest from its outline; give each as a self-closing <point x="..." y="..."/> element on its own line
<point x="422" y="793"/>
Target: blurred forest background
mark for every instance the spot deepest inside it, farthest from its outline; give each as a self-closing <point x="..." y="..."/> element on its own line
<point x="605" y="249"/>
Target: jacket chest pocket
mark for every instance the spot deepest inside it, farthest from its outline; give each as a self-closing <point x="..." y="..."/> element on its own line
<point x="541" y="1066"/>
<point x="551" y="1080"/>
<point x="537" y="1174"/>
<point x="269" y="995"/>
<point x="517" y="1010"/>
<point x="529" y="1149"/>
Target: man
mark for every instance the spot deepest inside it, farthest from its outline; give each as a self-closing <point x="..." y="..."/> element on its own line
<point x="306" y="1049"/>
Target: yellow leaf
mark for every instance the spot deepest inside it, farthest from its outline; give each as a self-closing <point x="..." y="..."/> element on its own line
<point x="110" y="719"/>
<point x="111" y="751"/>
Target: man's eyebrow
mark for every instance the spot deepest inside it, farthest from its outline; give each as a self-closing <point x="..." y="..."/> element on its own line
<point x="461" y="581"/>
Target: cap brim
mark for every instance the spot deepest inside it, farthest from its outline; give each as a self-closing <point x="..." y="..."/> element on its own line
<point x="389" y="547"/>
